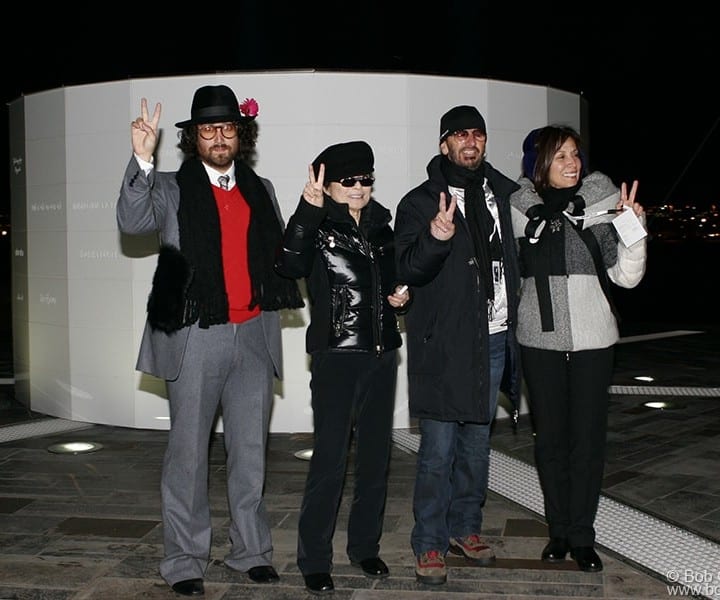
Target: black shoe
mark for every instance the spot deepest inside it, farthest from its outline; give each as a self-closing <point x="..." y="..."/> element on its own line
<point x="263" y="574"/>
<point x="587" y="559"/>
<point x="374" y="567"/>
<point x="555" y="550"/>
<point x="189" y="587"/>
<point x="319" y="583"/>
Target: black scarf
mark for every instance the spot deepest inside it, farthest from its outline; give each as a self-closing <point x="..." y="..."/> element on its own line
<point x="205" y="299"/>
<point x="480" y="222"/>
<point x="544" y="245"/>
<point x="554" y="202"/>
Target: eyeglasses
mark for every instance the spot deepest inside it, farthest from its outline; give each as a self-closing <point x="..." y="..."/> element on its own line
<point x="228" y="130"/>
<point x="462" y="134"/>
<point x="365" y="180"/>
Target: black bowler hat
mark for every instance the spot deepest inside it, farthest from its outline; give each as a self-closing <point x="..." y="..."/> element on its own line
<point x="461" y="117"/>
<point x="213" y="104"/>
<point x="345" y="160"/>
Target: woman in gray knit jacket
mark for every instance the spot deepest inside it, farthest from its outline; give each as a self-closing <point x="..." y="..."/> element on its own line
<point x="569" y="254"/>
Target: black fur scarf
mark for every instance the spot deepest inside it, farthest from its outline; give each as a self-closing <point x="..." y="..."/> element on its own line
<point x="189" y="284"/>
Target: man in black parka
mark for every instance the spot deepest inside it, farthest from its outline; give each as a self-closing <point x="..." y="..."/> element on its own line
<point x="455" y="247"/>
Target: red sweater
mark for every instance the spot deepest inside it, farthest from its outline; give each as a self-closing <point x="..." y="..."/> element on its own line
<point x="234" y="221"/>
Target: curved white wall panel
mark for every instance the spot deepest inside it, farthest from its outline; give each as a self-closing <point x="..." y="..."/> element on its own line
<point x="79" y="287"/>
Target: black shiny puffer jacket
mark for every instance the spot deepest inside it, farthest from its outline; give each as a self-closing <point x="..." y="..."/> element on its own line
<point x="349" y="271"/>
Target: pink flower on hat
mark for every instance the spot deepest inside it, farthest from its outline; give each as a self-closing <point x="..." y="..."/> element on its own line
<point x="249" y="107"/>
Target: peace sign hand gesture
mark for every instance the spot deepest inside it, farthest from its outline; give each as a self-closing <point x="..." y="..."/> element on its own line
<point x="144" y="131"/>
<point x="442" y="226"/>
<point x="628" y="200"/>
<point x="313" y="190"/>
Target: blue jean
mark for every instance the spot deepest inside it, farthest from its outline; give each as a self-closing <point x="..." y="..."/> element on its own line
<point x="452" y="471"/>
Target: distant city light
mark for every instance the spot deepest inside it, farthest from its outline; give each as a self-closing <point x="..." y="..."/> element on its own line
<point x="675" y="223"/>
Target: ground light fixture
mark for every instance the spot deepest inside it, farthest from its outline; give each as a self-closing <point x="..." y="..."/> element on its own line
<point x="305" y="454"/>
<point x="663" y="405"/>
<point x="74" y="447"/>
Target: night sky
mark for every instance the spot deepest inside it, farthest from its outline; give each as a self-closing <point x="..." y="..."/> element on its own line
<point x="648" y="76"/>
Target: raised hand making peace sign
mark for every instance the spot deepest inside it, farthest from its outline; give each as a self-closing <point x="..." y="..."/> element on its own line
<point x="629" y="199"/>
<point x="144" y="131"/>
<point x="313" y="190"/>
<point x="442" y="226"/>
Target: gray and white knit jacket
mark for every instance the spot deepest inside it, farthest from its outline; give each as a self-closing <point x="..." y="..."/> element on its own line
<point x="582" y="315"/>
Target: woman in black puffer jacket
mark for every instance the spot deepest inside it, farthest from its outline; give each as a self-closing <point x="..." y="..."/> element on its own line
<point x="340" y="240"/>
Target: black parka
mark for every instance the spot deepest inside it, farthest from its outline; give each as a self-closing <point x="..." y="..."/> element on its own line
<point x="447" y="326"/>
<point x="349" y="271"/>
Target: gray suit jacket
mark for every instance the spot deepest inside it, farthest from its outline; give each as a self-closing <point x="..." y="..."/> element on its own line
<point x="149" y="204"/>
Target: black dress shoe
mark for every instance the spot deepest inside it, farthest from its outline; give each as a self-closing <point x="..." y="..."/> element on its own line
<point x="319" y="583"/>
<point x="263" y="574"/>
<point x="587" y="559"/>
<point x="189" y="587"/>
<point x="555" y="550"/>
<point x="374" y="567"/>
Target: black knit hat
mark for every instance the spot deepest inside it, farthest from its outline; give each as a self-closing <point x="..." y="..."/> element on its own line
<point x="213" y="104"/>
<point x="461" y="117"/>
<point x="345" y="160"/>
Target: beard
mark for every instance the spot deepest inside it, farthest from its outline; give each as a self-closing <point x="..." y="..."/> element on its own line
<point x="219" y="156"/>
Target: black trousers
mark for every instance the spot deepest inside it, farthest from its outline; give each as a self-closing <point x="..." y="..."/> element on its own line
<point x="353" y="397"/>
<point x="568" y="397"/>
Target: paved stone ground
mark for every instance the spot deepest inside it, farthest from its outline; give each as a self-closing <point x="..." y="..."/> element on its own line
<point x="88" y="527"/>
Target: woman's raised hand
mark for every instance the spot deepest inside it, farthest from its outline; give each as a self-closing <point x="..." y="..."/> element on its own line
<point x="313" y="190"/>
<point x="629" y="199"/>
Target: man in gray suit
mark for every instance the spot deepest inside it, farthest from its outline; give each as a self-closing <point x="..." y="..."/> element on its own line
<point x="213" y="328"/>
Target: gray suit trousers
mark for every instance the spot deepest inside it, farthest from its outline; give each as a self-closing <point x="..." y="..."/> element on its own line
<point x="225" y="366"/>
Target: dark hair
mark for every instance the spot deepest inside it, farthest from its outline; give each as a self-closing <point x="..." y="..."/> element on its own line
<point x="247" y="138"/>
<point x="547" y="142"/>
